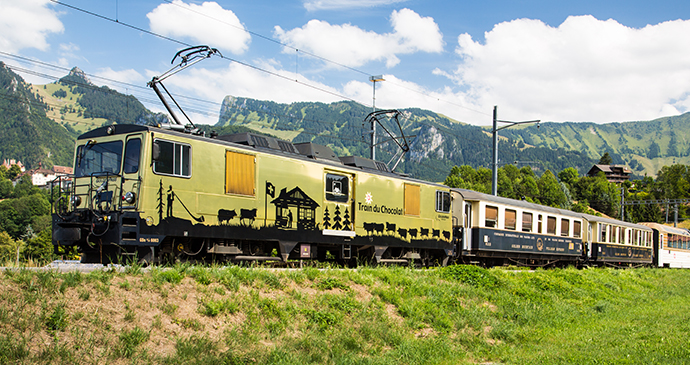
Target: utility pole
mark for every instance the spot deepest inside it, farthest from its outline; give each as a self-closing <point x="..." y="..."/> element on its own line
<point x="373" y="79"/>
<point x="494" y="170"/>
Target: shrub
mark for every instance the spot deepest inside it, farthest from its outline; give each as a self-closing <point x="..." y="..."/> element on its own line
<point x="475" y="276"/>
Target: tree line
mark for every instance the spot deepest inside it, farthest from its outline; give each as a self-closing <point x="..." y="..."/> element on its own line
<point x="25" y="222"/>
<point x="585" y="194"/>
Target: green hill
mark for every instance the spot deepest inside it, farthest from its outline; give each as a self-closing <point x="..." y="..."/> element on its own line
<point x="28" y="135"/>
<point x="437" y="142"/>
<point x="644" y="146"/>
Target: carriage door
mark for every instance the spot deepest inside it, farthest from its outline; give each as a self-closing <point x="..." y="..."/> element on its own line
<point x="467" y="240"/>
<point x="131" y="172"/>
<point x="338" y="205"/>
<point x="588" y="246"/>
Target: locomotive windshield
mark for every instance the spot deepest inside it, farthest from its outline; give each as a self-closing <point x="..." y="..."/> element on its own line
<point x="96" y="158"/>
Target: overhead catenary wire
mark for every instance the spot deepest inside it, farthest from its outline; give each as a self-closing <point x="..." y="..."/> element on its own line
<point x="324" y="59"/>
<point x="273" y="73"/>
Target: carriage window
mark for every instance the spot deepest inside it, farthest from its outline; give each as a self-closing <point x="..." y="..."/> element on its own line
<point x="491" y="216"/>
<point x="510" y="219"/>
<point x="337" y="188"/>
<point x="551" y="225"/>
<point x="635" y="239"/>
<point x="132" y="152"/>
<point x="602" y="234"/>
<point x="539" y="223"/>
<point x="565" y="227"/>
<point x="526" y="222"/>
<point x="577" y="229"/>
<point x="442" y="201"/>
<point x="173" y="159"/>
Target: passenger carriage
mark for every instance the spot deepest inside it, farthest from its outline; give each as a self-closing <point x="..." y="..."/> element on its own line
<point x="671" y="245"/>
<point x="499" y="231"/>
<point x="617" y="243"/>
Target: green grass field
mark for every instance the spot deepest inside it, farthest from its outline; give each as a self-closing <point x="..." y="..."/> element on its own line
<point x="453" y="315"/>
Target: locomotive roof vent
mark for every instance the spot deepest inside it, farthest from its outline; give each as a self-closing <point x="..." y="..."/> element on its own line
<point x="317" y="151"/>
<point x="259" y="141"/>
<point x="364" y="163"/>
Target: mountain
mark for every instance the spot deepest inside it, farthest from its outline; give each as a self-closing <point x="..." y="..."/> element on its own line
<point x="437" y="143"/>
<point x="28" y="135"/>
<point x="644" y="146"/>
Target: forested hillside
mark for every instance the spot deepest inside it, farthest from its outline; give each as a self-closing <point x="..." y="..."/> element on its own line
<point x="644" y="146"/>
<point x="28" y="134"/>
<point x="437" y="142"/>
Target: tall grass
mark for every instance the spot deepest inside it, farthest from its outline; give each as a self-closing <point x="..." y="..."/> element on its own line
<point x="396" y="315"/>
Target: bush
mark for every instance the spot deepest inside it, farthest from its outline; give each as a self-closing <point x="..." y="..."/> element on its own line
<point x="475" y="276"/>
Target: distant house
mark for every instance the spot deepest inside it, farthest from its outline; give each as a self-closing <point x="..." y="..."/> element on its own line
<point x="8" y="163"/>
<point x="614" y="173"/>
<point x="43" y="177"/>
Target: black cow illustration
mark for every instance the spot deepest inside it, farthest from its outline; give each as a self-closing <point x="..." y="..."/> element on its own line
<point x="369" y="227"/>
<point x="446" y="235"/>
<point x="413" y="232"/>
<point x="390" y="227"/>
<point x="424" y="232"/>
<point x="249" y="214"/>
<point x="436" y="233"/>
<point x="378" y="227"/>
<point x="225" y="215"/>
<point x="402" y="232"/>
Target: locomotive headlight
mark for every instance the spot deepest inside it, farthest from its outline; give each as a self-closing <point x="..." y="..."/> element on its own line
<point x="129" y="197"/>
<point x="76" y="200"/>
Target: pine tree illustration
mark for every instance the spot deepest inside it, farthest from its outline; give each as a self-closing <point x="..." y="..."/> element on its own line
<point x="160" y="202"/>
<point x="336" y="218"/>
<point x="326" y="219"/>
<point x="346" y="222"/>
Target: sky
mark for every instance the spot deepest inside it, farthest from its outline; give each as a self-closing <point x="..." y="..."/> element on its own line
<point x="563" y="61"/>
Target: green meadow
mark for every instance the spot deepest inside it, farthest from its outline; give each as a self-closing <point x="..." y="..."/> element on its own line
<point x="371" y="315"/>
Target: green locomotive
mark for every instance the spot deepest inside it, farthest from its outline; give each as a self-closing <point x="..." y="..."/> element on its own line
<point x="155" y="192"/>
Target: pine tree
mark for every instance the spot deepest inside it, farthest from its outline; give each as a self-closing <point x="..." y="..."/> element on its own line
<point x="336" y="218"/>
<point x="346" y="222"/>
<point x="326" y="219"/>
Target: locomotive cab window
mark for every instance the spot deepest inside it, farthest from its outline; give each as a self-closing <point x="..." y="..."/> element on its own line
<point x="490" y="216"/>
<point x="132" y="152"/>
<point x="172" y="158"/>
<point x="95" y="158"/>
<point x="337" y="188"/>
<point x="442" y="201"/>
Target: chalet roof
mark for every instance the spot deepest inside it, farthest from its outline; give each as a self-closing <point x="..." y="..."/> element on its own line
<point x="609" y="169"/>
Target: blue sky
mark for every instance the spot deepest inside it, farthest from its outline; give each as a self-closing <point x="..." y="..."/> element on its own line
<point x="582" y="61"/>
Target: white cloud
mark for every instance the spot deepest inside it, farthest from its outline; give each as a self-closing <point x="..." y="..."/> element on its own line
<point x="583" y="70"/>
<point x="313" y="5"/>
<point x="241" y="81"/>
<point x="26" y="24"/>
<point x="352" y="46"/>
<point x="207" y="24"/>
<point x="130" y="76"/>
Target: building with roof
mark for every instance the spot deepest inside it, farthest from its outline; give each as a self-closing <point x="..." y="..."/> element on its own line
<point x="614" y="173"/>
